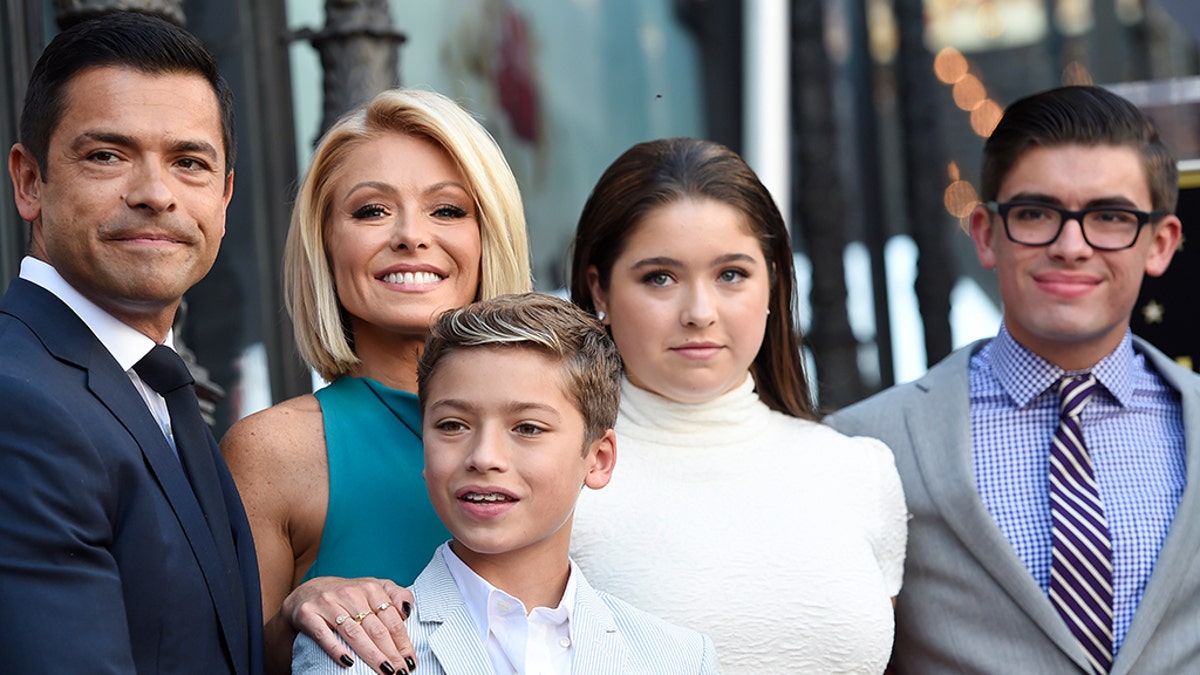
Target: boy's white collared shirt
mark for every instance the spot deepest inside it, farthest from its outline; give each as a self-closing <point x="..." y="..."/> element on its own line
<point x="518" y="643"/>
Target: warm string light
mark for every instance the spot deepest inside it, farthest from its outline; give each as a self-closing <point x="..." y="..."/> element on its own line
<point x="971" y="96"/>
<point x="990" y="21"/>
<point x="969" y="92"/>
<point x="959" y="197"/>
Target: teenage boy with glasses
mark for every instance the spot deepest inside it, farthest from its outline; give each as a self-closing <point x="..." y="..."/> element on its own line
<point x="1053" y="529"/>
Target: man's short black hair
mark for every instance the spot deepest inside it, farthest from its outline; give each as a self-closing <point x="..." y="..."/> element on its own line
<point x="121" y="39"/>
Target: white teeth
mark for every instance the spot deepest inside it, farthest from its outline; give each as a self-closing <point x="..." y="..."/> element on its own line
<point x="485" y="498"/>
<point x="408" y="278"/>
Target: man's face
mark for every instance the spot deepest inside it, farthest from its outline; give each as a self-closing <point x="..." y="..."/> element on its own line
<point x="131" y="210"/>
<point x="1068" y="302"/>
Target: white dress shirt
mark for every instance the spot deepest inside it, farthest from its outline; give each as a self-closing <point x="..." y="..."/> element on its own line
<point x="126" y="344"/>
<point x="537" y="642"/>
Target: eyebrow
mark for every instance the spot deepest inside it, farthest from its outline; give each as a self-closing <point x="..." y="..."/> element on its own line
<point x="511" y="407"/>
<point x="197" y="147"/>
<point x="127" y="141"/>
<point x="446" y="185"/>
<point x="372" y="184"/>
<point x="1115" y="200"/>
<point x="667" y="261"/>
<point x="391" y="189"/>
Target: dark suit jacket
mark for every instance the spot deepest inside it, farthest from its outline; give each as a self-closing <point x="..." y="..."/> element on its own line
<point x="968" y="604"/>
<point x="106" y="562"/>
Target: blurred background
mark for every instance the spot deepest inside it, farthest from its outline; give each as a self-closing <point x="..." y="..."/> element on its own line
<point x="865" y="118"/>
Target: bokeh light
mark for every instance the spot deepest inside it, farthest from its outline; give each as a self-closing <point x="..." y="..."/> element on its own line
<point x="985" y="118"/>
<point x="950" y="65"/>
<point x="969" y="93"/>
<point x="960" y="198"/>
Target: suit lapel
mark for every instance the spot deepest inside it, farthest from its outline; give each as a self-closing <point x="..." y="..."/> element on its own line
<point x="599" y="646"/>
<point x="1179" y="550"/>
<point x="70" y="340"/>
<point x="442" y="614"/>
<point x="948" y="473"/>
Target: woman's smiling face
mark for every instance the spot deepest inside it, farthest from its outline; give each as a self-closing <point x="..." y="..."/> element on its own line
<point x="403" y="236"/>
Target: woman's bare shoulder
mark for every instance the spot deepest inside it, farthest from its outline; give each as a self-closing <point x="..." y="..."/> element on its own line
<point x="292" y="430"/>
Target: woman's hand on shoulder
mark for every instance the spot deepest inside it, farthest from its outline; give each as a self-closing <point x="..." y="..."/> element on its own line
<point x="367" y="613"/>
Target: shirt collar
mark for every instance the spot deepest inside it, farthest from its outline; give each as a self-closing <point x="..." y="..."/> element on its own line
<point x="124" y="342"/>
<point x="1024" y="375"/>
<point x="477" y="594"/>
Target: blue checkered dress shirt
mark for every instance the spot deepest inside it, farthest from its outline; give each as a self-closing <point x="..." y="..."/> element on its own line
<point x="1133" y="428"/>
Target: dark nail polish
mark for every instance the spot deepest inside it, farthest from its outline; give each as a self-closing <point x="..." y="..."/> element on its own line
<point x="387" y="668"/>
<point x="412" y="665"/>
<point x="346" y="660"/>
<point x="407" y="608"/>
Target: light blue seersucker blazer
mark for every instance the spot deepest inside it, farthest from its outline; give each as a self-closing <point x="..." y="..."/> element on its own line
<point x="968" y="605"/>
<point x="610" y="637"/>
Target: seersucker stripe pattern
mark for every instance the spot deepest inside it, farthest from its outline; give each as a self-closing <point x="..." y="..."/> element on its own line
<point x="1081" y="550"/>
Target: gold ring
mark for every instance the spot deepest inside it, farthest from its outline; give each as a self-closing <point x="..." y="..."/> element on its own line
<point x="382" y="607"/>
<point x="358" y="618"/>
<point x="341" y="619"/>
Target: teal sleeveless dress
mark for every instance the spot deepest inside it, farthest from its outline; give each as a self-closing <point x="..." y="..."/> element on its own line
<point x="380" y="522"/>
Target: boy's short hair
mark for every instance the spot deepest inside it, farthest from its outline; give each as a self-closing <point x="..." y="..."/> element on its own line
<point x="1079" y="115"/>
<point x="591" y="366"/>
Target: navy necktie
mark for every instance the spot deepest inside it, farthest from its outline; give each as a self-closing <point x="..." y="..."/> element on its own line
<point x="168" y="375"/>
<point x="1081" y="550"/>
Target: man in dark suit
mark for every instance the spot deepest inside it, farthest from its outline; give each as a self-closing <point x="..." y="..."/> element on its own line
<point x="114" y="556"/>
<point x="1048" y="471"/>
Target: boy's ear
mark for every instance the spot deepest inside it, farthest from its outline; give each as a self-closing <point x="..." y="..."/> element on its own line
<point x="983" y="234"/>
<point x="603" y="454"/>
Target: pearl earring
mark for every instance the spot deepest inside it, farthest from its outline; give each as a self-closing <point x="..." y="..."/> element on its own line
<point x="601" y="315"/>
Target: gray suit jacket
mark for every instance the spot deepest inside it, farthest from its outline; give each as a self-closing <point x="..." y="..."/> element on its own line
<point x="968" y="604"/>
<point x="610" y="636"/>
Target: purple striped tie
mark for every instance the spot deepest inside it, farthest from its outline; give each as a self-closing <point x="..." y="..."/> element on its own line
<point x="1081" y="567"/>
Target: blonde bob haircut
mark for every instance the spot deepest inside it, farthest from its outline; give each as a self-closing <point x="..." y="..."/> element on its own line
<point x="322" y="335"/>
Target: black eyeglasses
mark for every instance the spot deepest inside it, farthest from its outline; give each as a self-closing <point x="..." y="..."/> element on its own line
<point x="1105" y="228"/>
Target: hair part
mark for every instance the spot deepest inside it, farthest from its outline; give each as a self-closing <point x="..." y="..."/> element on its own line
<point x="654" y="174"/>
<point x="133" y="40"/>
<point x="589" y="362"/>
<point x="1079" y="115"/>
<point x="323" y="336"/>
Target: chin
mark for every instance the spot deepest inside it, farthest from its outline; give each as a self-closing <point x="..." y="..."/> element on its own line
<point x="481" y="546"/>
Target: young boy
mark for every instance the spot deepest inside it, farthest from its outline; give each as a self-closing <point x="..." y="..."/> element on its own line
<point x="519" y="395"/>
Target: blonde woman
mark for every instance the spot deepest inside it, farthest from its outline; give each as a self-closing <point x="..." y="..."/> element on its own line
<point x="408" y="209"/>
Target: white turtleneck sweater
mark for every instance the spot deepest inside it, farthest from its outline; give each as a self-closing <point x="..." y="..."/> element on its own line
<point x="779" y="537"/>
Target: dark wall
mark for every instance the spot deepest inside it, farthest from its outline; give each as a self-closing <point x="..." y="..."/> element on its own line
<point x="1166" y="313"/>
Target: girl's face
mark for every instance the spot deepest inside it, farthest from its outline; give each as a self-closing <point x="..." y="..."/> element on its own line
<point x="403" y="238"/>
<point x="687" y="300"/>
